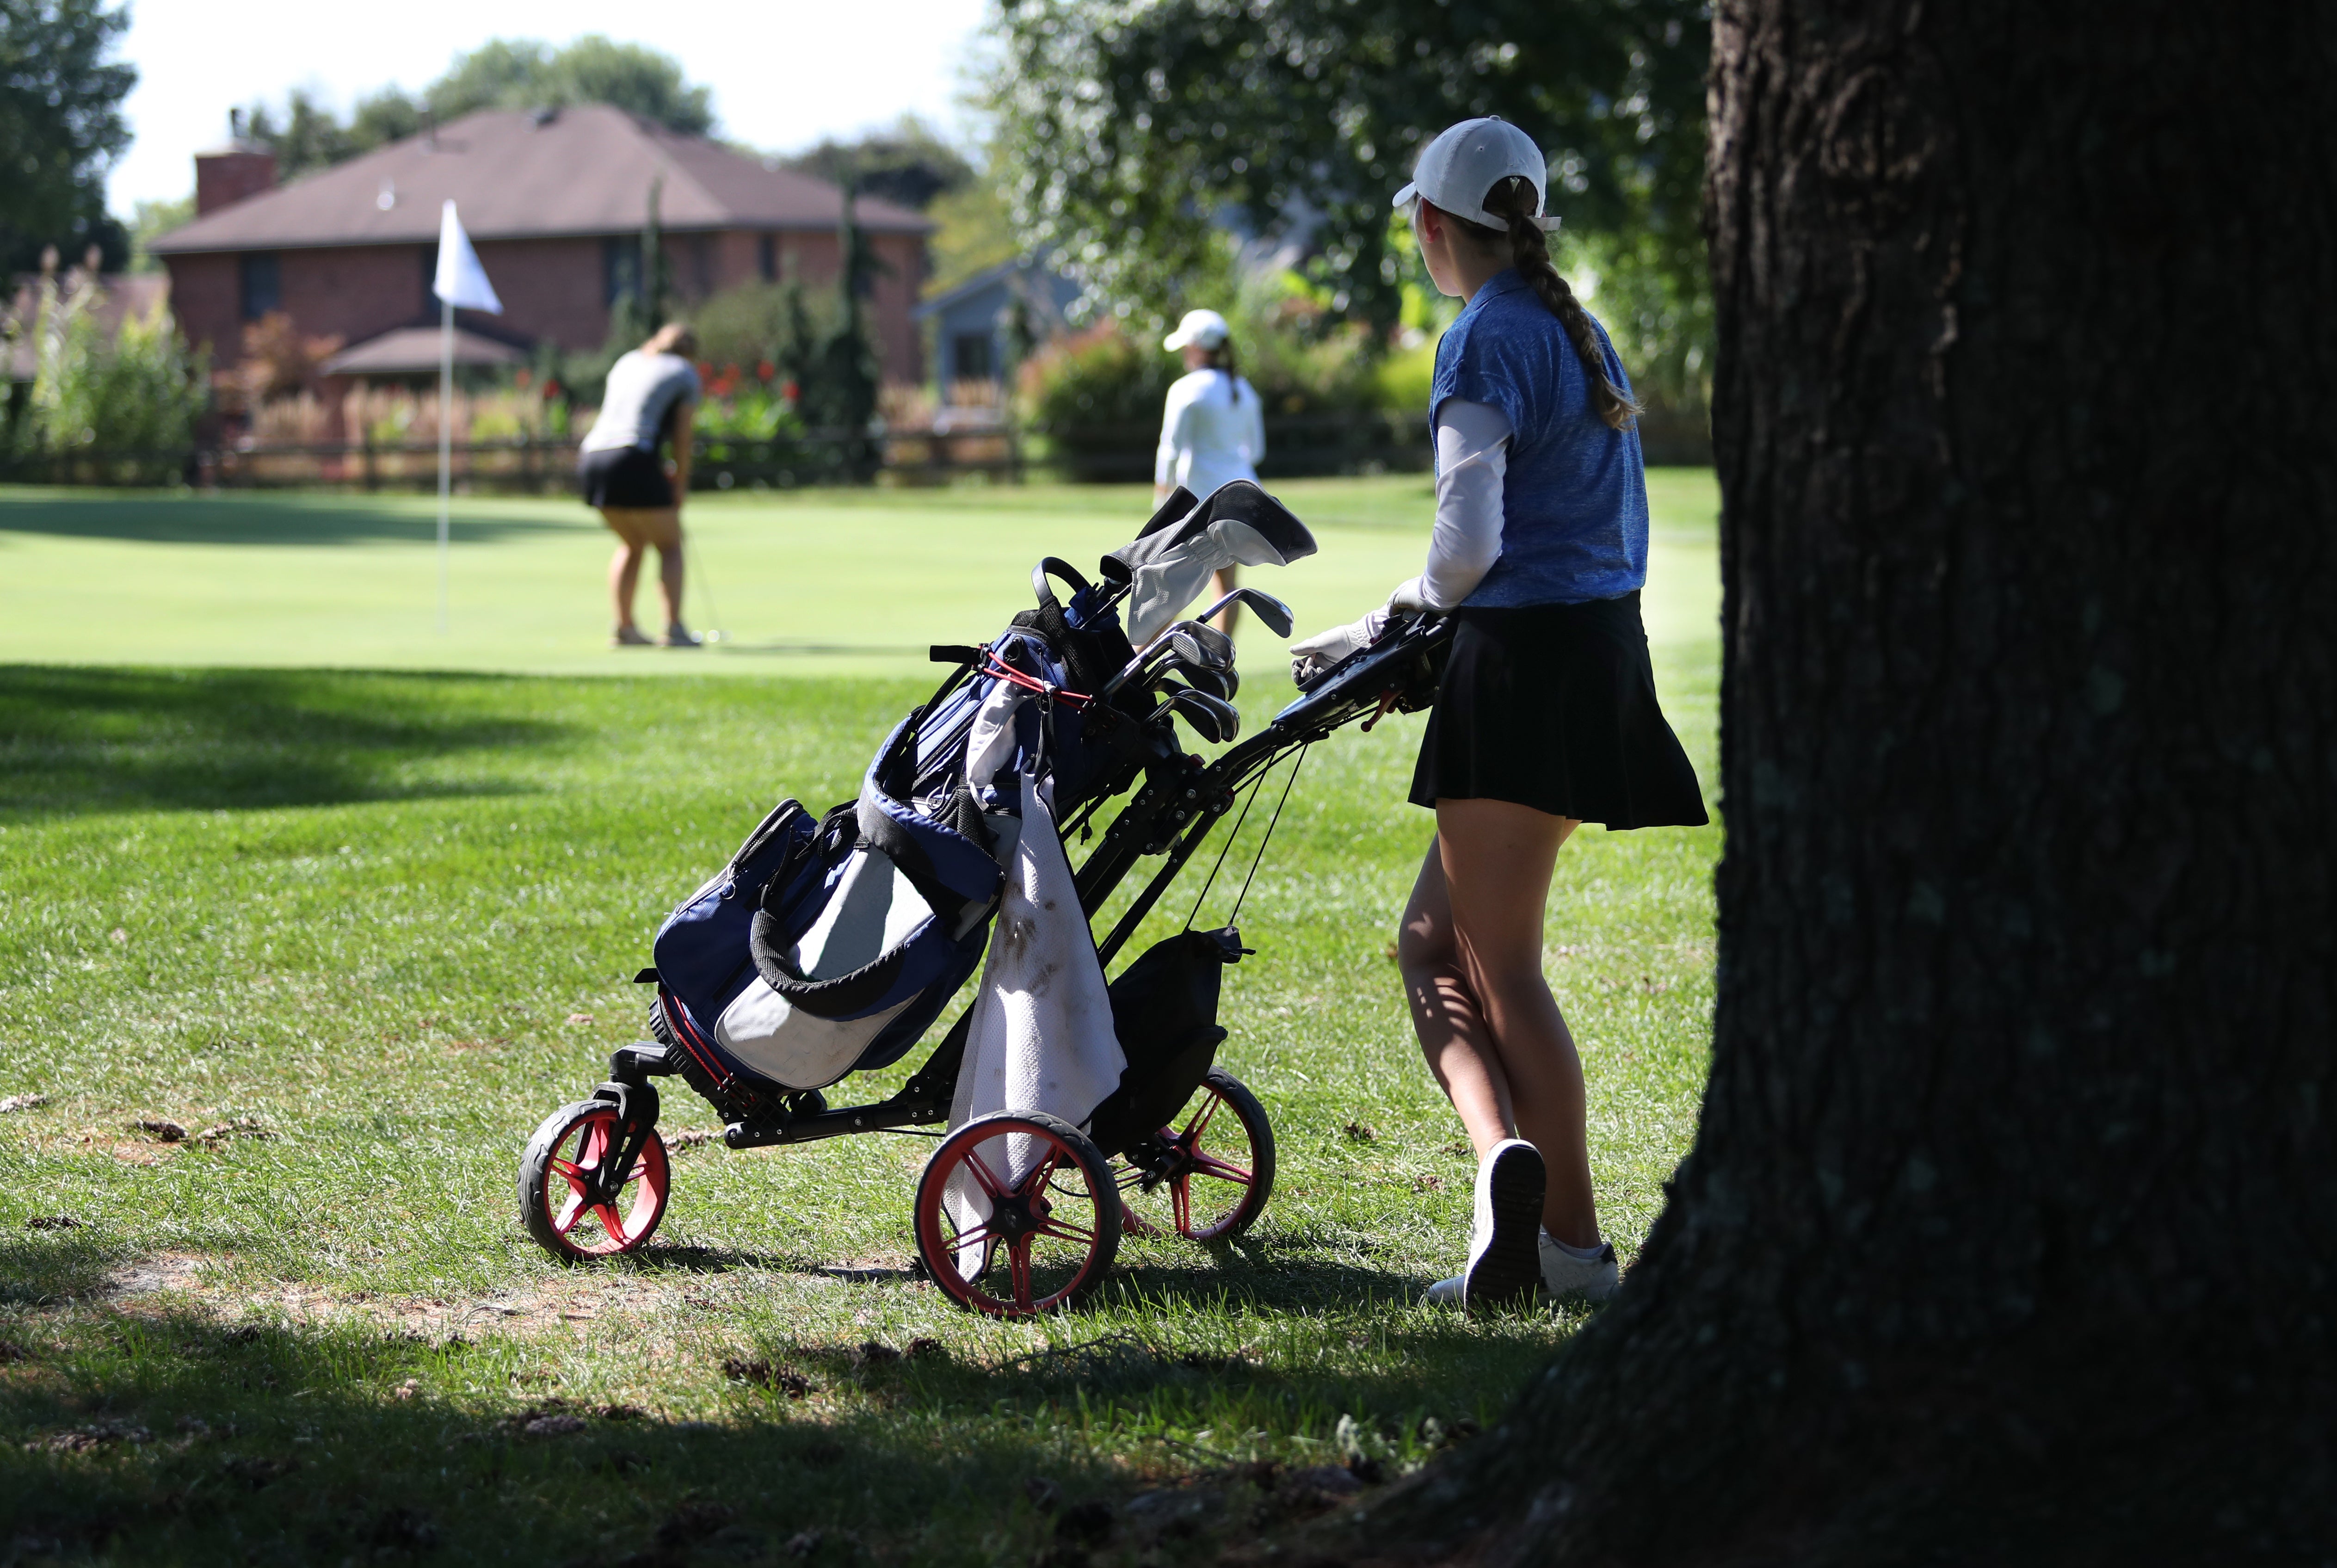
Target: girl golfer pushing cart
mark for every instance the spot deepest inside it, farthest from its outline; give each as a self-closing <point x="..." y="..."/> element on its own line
<point x="1546" y="716"/>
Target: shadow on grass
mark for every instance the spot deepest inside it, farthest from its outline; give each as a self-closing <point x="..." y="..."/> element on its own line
<point x="148" y="1433"/>
<point x="158" y="519"/>
<point x="78" y="742"/>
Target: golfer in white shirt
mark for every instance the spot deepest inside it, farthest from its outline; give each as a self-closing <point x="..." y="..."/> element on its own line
<point x="1213" y="428"/>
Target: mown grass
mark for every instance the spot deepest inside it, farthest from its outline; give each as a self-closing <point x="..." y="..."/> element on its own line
<point x="372" y="928"/>
<point x="850" y="582"/>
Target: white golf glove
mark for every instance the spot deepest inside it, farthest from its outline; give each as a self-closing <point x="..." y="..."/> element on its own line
<point x="1324" y="649"/>
<point x="1409" y="599"/>
<point x="1319" y="652"/>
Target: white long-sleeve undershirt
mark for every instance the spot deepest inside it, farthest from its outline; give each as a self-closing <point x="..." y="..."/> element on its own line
<point x="1212" y="432"/>
<point x="1473" y="458"/>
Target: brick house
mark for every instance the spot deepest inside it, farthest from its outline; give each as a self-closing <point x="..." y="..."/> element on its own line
<point x="554" y="201"/>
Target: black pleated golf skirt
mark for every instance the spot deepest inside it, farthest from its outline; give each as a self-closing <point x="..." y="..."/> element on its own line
<point x="1553" y="706"/>
<point x="624" y="476"/>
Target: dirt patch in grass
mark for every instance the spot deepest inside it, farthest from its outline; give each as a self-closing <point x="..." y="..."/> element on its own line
<point x="565" y="1304"/>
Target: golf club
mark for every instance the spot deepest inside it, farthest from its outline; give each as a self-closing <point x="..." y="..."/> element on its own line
<point x="1219" y="684"/>
<point x="1187" y="640"/>
<point x="705" y="590"/>
<point x="1194" y="643"/>
<point x="1213" y="719"/>
<point x="1270" y="610"/>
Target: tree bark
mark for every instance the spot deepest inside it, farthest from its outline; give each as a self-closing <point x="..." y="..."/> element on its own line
<point x="2010" y="1228"/>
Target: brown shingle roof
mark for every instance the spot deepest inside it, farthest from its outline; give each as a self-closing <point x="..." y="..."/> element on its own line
<point x="412" y="350"/>
<point x="517" y="175"/>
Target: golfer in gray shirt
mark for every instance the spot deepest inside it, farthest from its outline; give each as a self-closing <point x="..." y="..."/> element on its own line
<point x="652" y="394"/>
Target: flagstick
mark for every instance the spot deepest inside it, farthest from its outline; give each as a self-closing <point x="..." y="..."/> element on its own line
<point x="446" y="441"/>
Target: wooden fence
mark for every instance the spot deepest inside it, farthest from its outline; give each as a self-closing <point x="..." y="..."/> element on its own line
<point x="1296" y="446"/>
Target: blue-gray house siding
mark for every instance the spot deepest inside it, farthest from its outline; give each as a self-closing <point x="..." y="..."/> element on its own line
<point x="975" y="323"/>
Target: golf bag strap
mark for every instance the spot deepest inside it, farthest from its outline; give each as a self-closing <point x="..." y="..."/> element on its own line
<point x="898" y="845"/>
<point x="1055" y="565"/>
<point x="840" y="997"/>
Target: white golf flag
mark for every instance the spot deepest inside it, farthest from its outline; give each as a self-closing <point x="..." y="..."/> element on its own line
<point x="461" y="280"/>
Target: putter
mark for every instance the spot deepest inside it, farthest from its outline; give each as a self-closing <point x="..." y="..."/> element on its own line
<point x="1270" y="610"/>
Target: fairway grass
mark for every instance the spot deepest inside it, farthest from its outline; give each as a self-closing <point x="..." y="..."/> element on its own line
<point x="367" y="927"/>
<point x="836" y="581"/>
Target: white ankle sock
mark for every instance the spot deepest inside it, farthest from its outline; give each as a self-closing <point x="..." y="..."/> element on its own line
<point x="1590" y="1254"/>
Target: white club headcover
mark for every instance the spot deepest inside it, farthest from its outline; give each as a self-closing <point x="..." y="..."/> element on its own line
<point x="1166" y="584"/>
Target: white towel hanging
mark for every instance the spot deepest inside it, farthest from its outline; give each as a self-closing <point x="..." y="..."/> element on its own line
<point x="1041" y="1037"/>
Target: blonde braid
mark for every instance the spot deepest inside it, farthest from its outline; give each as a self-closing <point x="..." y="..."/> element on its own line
<point x="1513" y="200"/>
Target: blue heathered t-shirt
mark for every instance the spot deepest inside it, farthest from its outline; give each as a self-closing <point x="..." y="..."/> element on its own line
<point x="1574" y="505"/>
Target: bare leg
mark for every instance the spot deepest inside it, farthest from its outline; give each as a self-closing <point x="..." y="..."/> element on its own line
<point x="1445" y="1015"/>
<point x="1470" y="949"/>
<point x="1221" y="583"/>
<point x="670" y="580"/>
<point x="624" y="577"/>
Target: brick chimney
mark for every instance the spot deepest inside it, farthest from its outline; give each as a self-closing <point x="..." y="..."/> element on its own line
<point x="234" y="172"/>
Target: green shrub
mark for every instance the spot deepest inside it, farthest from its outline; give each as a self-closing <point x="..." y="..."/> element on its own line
<point x="741" y="409"/>
<point x="136" y="397"/>
<point x="1098" y="380"/>
<point x="1286" y="345"/>
<point x="780" y="325"/>
<point x="1404" y="378"/>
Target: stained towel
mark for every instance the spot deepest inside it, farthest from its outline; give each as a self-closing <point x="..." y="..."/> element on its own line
<point x="1041" y="1038"/>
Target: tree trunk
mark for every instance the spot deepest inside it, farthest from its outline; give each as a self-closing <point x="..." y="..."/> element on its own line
<point x="2011" y="1229"/>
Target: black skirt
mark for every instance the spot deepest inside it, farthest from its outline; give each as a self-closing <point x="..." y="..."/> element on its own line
<point x="1553" y="706"/>
<point x="624" y="476"/>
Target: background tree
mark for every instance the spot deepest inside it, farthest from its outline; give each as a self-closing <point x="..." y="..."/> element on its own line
<point x="304" y="135"/>
<point x="502" y="74"/>
<point x="148" y="220"/>
<point x="592" y="69"/>
<point x="61" y="127"/>
<point x="909" y="163"/>
<point x="842" y="390"/>
<point x="1131" y="127"/>
<point x="2011" y="1227"/>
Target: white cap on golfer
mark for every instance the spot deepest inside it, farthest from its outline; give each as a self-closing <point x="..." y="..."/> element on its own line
<point x="1466" y="160"/>
<point x="1201" y="329"/>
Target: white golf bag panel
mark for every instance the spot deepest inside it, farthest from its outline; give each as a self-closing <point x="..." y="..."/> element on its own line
<point x="872" y="909"/>
<point x="791" y="1048"/>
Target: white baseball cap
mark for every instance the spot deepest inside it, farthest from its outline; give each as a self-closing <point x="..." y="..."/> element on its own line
<point x="1466" y="160"/>
<point x="1201" y="329"/>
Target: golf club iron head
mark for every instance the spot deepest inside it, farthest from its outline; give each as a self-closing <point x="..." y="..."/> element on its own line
<point x="1213" y="719"/>
<point x="1197" y="643"/>
<point x="1223" y="683"/>
<point x="1273" y="611"/>
<point x="1189" y="641"/>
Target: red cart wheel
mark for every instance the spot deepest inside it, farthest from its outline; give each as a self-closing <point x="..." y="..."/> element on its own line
<point x="1016" y="1213"/>
<point x="1217" y="1171"/>
<point x="564" y="1171"/>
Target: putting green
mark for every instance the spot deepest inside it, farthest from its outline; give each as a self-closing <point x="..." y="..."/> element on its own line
<point x="827" y="582"/>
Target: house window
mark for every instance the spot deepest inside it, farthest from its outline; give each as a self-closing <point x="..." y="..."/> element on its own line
<point x="766" y="257"/>
<point x="971" y="358"/>
<point x="430" y="278"/>
<point x="620" y="268"/>
<point x="262" y="283"/>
